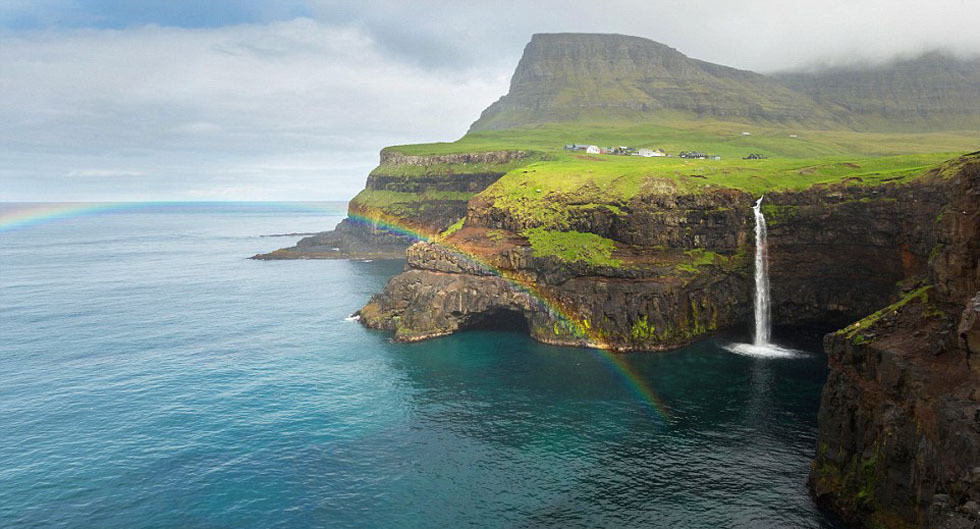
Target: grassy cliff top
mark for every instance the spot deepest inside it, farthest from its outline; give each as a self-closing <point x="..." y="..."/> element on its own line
<point x="681" y="132"/>
<point x="540" y="191"/>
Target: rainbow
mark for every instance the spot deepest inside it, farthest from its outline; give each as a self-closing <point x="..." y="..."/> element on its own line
<point x="16" y="216"/>
<point x="13" y="216"/>
<point x="580" y="330"/>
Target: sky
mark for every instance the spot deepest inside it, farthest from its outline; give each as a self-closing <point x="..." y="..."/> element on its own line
<point x="126" y="100"/>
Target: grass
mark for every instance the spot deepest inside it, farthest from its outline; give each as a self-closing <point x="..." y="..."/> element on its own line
<point x="572" y="246"/>
<point x="542" y="193"/>
<point x="677" y="132"/>
<point x="456" y="226"/>
<point x="699" y="257"/>
<point x="853" y="331"/>
<point x="545" y="188"/>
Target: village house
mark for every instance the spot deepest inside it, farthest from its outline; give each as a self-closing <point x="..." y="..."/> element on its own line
<point x="623" y="150"/>
<point x="649" y="153"/>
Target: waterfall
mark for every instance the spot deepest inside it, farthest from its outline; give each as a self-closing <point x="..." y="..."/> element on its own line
<point x="761" y="346"/>
<point x="762" y="328"/>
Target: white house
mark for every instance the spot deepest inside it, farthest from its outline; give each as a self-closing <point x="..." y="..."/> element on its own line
<point x="746" y="133"/>
<point x="649" y="153"/>
<point x="593" y="149"/>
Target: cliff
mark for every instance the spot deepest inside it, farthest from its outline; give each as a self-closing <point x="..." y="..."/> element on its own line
<point x="664" y="266"/>
<point x="616" y="90"/>
<point x="580" y="76"/>
<point x="406" y="198"/>
<point x="899" y="439"/>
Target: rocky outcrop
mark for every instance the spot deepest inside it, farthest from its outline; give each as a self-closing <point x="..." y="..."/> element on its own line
<point x="899" y="425"/>
<point x="837" y="253"/>
<point x="406" y="198"/>
<point x="351" y="239"/>
<point x="969" y="331"/>
<point x="650" y="307"/>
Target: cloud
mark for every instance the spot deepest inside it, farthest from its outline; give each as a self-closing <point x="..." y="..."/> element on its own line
<point x="101" y="173"/>
<point x="288" y="101"/>
<point x="193" y="100"/>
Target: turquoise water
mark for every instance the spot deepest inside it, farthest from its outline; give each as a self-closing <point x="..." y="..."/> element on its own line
<point x="152" y="377"/>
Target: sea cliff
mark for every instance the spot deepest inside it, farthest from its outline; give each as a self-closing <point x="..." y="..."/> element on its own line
<point x="407" y="197"/>
<point x="899" y="442"/>
<point x="900" y="418"/>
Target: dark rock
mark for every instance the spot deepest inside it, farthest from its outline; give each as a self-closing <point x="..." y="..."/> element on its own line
<point x="349" y="240"/>
<point x="898" y="427"/>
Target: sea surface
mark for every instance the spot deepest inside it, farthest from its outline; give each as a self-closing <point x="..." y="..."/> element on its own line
<point x="153" y="377"/>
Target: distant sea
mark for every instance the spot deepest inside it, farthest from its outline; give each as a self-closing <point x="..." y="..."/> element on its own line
<point x="153" y="377"/>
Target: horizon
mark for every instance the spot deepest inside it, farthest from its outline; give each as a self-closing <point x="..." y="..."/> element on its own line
<point x="246" y="101"/>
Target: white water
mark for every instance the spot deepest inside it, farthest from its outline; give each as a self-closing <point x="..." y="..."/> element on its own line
<point x="761" y="345"/>
<point x="762" y="326"/>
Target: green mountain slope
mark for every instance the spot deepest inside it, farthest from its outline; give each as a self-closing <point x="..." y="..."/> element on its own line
<point x="590" y="77"/>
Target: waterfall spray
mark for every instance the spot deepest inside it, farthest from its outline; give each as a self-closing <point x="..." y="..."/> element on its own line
<point x="762" y="329"/>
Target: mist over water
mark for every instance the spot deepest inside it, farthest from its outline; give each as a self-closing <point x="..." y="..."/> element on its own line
<point x="154" y="377"/>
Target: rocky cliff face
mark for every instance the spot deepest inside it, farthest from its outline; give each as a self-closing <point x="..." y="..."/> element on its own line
<point x="648" y="307"/>
<point x="573" y="76"/>
<point x="405" y="197"/>
<point x="899" y="442"/>
<point x="683" y="272"/>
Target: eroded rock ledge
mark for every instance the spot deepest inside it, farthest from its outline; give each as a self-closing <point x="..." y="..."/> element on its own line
<point x="899" y="439"/>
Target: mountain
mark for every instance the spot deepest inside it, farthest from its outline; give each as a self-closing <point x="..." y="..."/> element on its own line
<point x="568" y="77"/>
<point x="580" y="76"/>
<point x="935" y="89"/>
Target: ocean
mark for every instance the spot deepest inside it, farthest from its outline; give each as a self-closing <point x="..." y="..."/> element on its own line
<point x="151" y="376"/>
